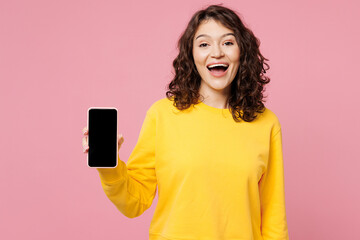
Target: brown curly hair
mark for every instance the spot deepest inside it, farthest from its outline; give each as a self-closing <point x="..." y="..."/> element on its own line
<point x="246" y="94"/>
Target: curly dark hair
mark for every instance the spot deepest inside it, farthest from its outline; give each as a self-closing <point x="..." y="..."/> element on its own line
<point x="246" y="94"/>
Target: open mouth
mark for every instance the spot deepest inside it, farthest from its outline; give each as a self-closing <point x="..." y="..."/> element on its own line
<point x="218" y="69"/>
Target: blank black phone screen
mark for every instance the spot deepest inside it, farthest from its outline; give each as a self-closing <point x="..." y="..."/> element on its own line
<point x="102" y="138"/>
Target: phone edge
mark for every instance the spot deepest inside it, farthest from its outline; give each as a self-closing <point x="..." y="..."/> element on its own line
<point x="117" y="127"/>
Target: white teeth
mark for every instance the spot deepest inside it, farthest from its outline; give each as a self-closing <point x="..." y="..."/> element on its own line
<point x="216" y="65"/>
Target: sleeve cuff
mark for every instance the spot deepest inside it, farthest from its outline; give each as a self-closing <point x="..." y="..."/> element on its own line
<point x="113" y="174"/>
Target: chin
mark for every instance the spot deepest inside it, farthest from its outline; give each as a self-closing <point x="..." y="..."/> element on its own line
<point x="219" y="87"/>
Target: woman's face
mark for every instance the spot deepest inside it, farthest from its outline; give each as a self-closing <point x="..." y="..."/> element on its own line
<point x="213" y="43"/>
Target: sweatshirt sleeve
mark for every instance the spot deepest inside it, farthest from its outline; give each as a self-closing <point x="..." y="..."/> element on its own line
<point x="131" y="187"/>
<point x="272" y="193"/>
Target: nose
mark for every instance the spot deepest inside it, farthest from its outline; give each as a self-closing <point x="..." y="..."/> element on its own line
<point x="216" y="51"/>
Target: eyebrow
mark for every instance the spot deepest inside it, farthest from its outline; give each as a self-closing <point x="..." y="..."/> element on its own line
<point x="205" y="35"/>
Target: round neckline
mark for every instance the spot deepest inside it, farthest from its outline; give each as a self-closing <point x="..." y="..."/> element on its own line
<point x="214" y="109"/>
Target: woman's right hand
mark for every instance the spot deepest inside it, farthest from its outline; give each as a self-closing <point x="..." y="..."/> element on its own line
<point x="85" y="140"/>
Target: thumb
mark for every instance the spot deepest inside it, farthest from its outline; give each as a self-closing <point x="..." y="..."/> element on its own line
<point x="120" y="139"/>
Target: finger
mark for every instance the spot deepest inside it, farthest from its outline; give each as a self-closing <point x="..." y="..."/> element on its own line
<point x="86" y="150"/>
<point x="85" y="131"/>
<point x="120" y="140"/>
<point x="84" y="142"/>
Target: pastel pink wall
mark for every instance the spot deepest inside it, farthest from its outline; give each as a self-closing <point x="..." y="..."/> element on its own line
<point x="58" y="58"/>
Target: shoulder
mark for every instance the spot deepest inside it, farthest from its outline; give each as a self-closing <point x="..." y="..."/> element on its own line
<point x="162" y="102"/>
<point x="271" y="118"/>
<point x="160" y="105"/>
<point x="270" y="115"/>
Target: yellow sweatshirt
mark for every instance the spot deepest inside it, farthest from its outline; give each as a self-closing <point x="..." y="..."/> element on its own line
<point x="217" y="179"/>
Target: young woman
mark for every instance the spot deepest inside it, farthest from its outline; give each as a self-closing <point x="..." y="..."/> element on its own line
<point x="216" y="164"/>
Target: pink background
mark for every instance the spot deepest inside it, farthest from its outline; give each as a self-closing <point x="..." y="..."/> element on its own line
<point x="58" y="58"/>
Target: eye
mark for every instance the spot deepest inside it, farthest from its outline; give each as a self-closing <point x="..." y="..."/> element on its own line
<point x="202" y="45"/>
<point x="229" y="44"/>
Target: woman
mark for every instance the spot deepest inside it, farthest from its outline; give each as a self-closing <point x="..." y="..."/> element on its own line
<point x="217" y="164"/>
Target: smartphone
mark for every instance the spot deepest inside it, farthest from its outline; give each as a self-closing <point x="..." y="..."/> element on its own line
<point x="102" y="137"/>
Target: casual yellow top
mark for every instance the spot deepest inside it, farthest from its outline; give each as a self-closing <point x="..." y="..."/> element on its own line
<point x="217" y="179"/>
